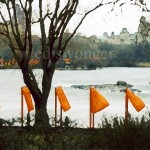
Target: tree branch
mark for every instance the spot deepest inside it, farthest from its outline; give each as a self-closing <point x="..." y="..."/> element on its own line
<point x="45" y="16"/>
<point x="9" y="37"/>
<point x="62" y="16"/>
<point x="70" y="13"/>
<point x="29" y="29"/>
<point x="79" y="24"/>
<point x="23" y="8"/>
<point x="52" y="36"/>
<point x="15" y="29"/>
<point x="43" y="36"/>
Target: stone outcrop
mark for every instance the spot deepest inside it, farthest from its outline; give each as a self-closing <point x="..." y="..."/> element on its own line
<point x="120" y="86"/>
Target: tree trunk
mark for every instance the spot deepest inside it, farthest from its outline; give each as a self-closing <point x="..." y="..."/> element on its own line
<point x="40" y="98"/>
<point x="41" y="116"/>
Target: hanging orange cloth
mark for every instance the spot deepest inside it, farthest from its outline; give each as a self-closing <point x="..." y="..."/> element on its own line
<point x="62" y="98"/>
<point x="1" y="61"/>
<point x="137" y="103"/>
<point x="8" y="63"/>
<point x="67" y="60"/>
<point x="27" y="95"/>
<point x="98" y="101"/>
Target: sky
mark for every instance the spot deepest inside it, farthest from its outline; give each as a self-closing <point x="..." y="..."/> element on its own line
<point x="104" y="20"/>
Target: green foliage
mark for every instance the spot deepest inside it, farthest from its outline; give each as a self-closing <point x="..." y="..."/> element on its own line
<point x="112" y="133"/>
<point x="84" y="50"/>
<point x="90" y="52"/>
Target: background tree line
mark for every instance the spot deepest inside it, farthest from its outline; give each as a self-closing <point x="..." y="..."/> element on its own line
<point x="91" y="52"/>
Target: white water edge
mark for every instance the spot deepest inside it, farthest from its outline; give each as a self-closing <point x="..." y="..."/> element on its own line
<point x="11" y="82"/>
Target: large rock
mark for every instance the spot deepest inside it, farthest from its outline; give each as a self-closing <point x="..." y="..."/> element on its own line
<point x="120" y="86"/>
<point x="122" y="83"/>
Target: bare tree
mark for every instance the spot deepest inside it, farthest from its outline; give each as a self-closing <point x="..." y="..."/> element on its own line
<point x="53" y="46"/>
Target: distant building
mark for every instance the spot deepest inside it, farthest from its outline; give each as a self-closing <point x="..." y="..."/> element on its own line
<point x="105" y="34"/>
<point x="123" y="38"/>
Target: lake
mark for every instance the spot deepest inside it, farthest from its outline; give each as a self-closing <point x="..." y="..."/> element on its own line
<point x="11" y="82"/>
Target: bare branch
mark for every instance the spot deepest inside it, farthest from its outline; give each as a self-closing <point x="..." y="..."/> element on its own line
<point x="62" y="16"/>
<point x="62" y="28"/>
<point x="43" y="35"/>
<point x="33" y="22"/>
<point x="9" y="37"/>
<point x="10" y="17"/>
<point x="45" y="16"/>
<point x="23" y="8"/>
<point x="15" y="29"/>
<point x="52" y="27"/>
<point x="29" y="29"/>
<point x="56" y="9"/>
<point x="85" y="15"/>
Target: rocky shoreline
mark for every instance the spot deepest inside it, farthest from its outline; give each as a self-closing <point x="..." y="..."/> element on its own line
<point x="120" y="86"/>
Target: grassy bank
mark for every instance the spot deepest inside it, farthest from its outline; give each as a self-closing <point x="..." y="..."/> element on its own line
<point x="111" y="134"/>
